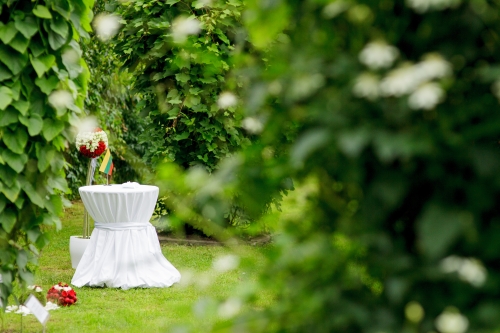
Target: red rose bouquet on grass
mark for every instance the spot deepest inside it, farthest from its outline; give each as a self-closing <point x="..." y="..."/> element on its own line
<point x="62" y="294"/>
<point x="92" y="144"/>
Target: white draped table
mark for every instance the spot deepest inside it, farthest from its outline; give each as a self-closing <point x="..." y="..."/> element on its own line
<point x="124" y="251"/>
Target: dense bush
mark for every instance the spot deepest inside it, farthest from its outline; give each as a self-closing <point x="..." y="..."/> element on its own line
<point x="180" y="75"/>
<point x="43" y="84"/>
<point x="398" y="146"/>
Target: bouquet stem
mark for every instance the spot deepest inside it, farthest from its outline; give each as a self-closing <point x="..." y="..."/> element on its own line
<point x="86" y="219"/>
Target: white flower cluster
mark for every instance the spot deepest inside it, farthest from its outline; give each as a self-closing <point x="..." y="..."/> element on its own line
<point x="468" y="269"/>
<point x="21" y="309"/>
<point x="91" y="140"/>
<point x="422" y="6"/>
<point x="378" y="55"/>
<point x="36" y="288"/>
<point x="452" y="321"/>
<point x="58" y="287"/>
<point x="415" y="80"/>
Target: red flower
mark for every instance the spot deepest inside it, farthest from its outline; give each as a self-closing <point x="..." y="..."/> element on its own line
<point x="62" y="297"/>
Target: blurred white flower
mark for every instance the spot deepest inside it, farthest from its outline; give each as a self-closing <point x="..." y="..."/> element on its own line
<point x="106" y="26"/>
<point x="451" y="322"/>
<point x="367" y="86"/>
<point x="426" y="96"/>
<point x="70" y="56"/>
<point x="226" y="100"/>
<point x="61" y="99"/>
<point x="38" y="289"/>
<point x="304" y="85"/>
<point x="202" y="3"/>
<point x="183" y="27"/>
<point x="226" y="263"/>
<point x="422" y="6"/>
<point x="229" y="308"/>
<point x="400" y="81"/>
<point x="87" y="124"/>
<point x="252" y="125"/>
<point x="11" y="308"/>
<point x="468" y="269"/>
<point x="433" y="66"/>
<point x="188" y="277"/>
<point x="335" y="8"/>
<point x="51" y="306"/>
<point x="377" y="55"/>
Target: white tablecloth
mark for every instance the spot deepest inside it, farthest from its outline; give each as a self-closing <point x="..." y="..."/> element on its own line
<point x="124" y="251"/>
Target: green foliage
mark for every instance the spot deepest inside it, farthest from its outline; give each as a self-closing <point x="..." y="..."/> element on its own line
<point x="111" y="102"/>
<point x="400" y="147"/>
<point x="35" y="39"/>
<point x="180" y="81"/>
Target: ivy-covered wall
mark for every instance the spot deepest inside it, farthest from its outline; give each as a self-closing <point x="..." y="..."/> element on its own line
<point x="43" y="84"/>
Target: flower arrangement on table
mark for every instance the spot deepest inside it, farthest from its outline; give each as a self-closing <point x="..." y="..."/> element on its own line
<point x="92" y="144"/>
<point x="62" y="294"/>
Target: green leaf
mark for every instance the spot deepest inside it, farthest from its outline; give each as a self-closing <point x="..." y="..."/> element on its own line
<point x="7" y="32"/>
<point x="34" y="124"/>
<point x="8" y="220"/>
<point x="438" y="228"/>
<point x="42" y="12"/>
<point x="5" y="97"/>
<point x="21" y="106"/>
<point x="22" y="259"/>
<point x="47" y="85"/>
<point x="182" y="77"/>
<point x="182" y="136"/>
<point x="36" y="48"/>
<point x="7" y="175"/>
<point x="42" y="64"/>
<point x="62" y="7"/>
<point x="19" y="202"/>
<point x="31" y="193"/>
<point x="51" y="128"/>
<point x="56" y="41"/>
<point x="14" y="63"/>
<point x="58" y="182"/>
<point x="15" y="161"/>
<point x="12" y="192"/>
<point x="8" y="117"/>
<point x="20" y="43"/>
<point x="5" y="74"/>
<point x="15" y="140"/>
<point x="3" y="203"/>
<point x="45" y="155"/>
<point x="28" y="27"/>
<point x="55" y="204"/>
<point x="15" y="87"/>
<point x="60" y="26"/>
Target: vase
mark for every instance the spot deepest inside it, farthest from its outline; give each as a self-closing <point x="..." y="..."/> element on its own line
<point x="77" y="246"/>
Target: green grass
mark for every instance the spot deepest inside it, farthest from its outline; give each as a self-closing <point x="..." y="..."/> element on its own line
<point x="139" y="310"/>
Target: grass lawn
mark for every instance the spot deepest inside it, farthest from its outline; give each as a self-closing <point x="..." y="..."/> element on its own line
<point x="139" y="310"/>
